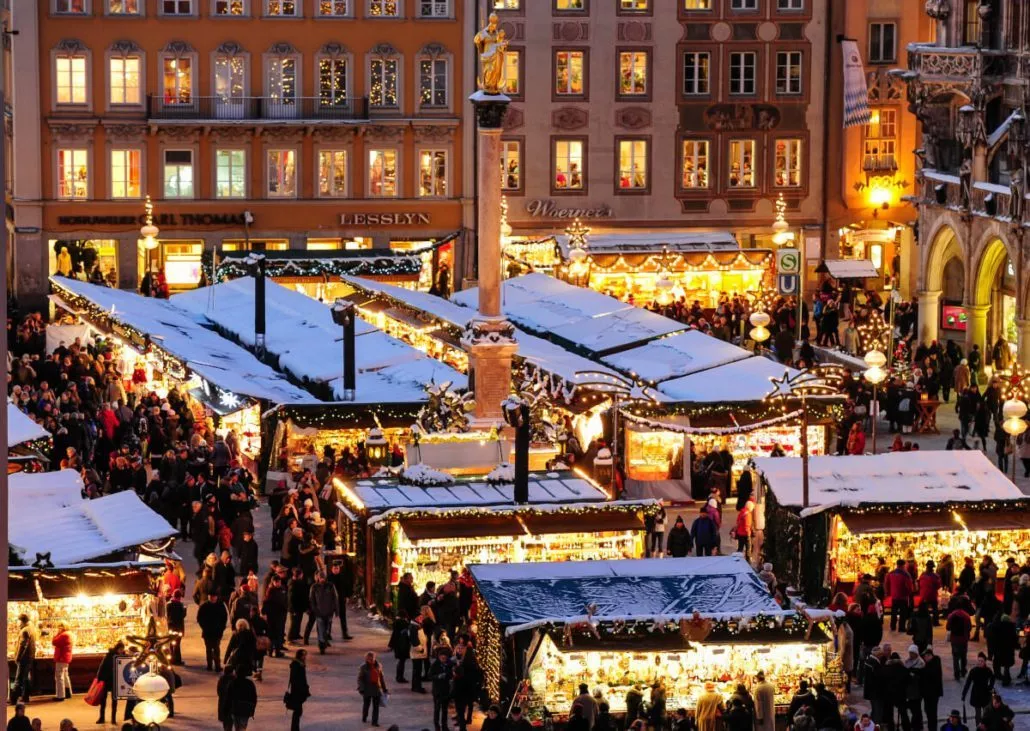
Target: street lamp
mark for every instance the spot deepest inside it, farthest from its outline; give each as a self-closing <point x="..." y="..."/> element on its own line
<point x="149" y="231"/>
<point x="876" y="375"/>
<point x="759" y="331"/>
<point x="1013" y="410"/>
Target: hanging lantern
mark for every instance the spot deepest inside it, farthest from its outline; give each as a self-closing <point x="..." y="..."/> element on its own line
<point x="149" y="231"/>
<point x="377" y="449"/>
<point x="664" y="287"/>
<point x="150" y="687"/>
<point x="759" y="332"/>
<point x="150" y="713"/>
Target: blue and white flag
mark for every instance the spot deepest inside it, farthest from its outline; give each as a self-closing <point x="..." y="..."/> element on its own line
<point x="856" y="93"/>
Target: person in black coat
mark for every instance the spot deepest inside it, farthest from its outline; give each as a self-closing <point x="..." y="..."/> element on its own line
<point x="979" y="686"/>
<point x="212" y="616"/>
<point x="242" y="700"/>
<point x="407" y="598"/>
<point x="177" y="625"/>
<point x="341" y="576"/>
<point x="400" y="643"/>
<point x="441" y="672"/>
<point x="931" y="686"/>
<point x="298" y="691"/>
<point x="247" y="554"/>
<point x="1003" y="640"/>
<point x="678" y="544"/>
<point x="895" y="690"/>
<point x="105" y="674"/>
<point x="224" y="701"/>
<point x="241" y="652"/>
<point x="275" y="610"/>
<point x="298" y="603"/>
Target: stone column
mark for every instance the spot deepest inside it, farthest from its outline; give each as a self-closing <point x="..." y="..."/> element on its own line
<point x="489" y="338"/>
<point x="976" y="328"/>
<point x="929" y="315"/>
<point x="1023" y="352"/>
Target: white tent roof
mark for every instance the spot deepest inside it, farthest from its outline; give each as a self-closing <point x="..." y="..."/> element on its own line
<point x="743" y="380"/>
<point x="895" y="477"/>
<point x="851" y="268"/>
<point x="677" y="355"/>
<point x="85" y="530"/>
<point x="21" y="428"/>
<point x="54" y="489"/>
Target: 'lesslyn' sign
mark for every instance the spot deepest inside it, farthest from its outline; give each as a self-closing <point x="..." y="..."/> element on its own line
<point x="384" y="219"/>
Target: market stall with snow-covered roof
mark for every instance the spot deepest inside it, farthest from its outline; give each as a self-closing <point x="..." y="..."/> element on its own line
<point x="921" y="504"/>
<point x="28" y="443"/>
<point x="430" y="523"/>
<point x="614" y="625"/>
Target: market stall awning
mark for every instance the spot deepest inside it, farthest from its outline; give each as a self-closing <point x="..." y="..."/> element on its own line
<point x="303" y="265"/>
<point x="848" y="268"/>
<point x="482" y="526"/>
<point x="607" y="522"/>
<point x="21" y="428"/>
<point x="888" y="522"/>
<point x="66" y="583"/>
<point x="694" y="242"/>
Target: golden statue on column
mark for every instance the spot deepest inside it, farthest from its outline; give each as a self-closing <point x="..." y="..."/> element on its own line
<point x="492" y="46"/>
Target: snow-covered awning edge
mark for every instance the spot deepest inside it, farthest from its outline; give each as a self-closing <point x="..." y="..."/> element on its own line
<point x="780" y="615"/>
<point x="512" y="509"/>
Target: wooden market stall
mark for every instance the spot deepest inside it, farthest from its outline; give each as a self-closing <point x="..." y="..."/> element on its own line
<point x="429" y="523"/>
<point x="28" y="443"/>
<point x="545" y="628"/>
<point x="899" y="505"/>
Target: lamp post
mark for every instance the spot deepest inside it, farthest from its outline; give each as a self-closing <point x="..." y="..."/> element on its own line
<point x="759" y="332"/>
<point x="1013" y="410"/>
<point x="876" y="375"/>
<point x="149" y="231"/>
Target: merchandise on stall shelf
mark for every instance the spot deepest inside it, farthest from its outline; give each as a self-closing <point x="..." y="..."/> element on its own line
<point x="761" y="442"/>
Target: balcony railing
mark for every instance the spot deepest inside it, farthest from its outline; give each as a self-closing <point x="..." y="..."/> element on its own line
<point x="955" y="64"/>
<point x="879" y="163"/>
<point x="211" y="108"/>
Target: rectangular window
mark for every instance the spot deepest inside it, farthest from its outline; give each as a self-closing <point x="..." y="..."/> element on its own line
<point x="384" y="8"/>
<point x="788" y="72"/>
<point x="788" y="164"/>
<point x="178" y="174"/>
<point x="332" y="173"/>
<point x="696" y="73"/>
<point x="382" y="90"/>
<point x="634" y="6"/>
<point x="282" y="174"/>
<point x="282" y="8"/>
<point x="177" y="7"/>
<point x="568" y="73"/>
<point x="742" y="72"/>
<point x="230" y="77"/>
<point x="125" y="174"/>
<point x="697" y="4"/>
<point x="882" y="42"/>
<point x="382" y="173"/>
<point x="332" y="81"/>
<point x="742" y="164"/>
<point x="71" y="79"/>
<point x="123" y="7"/>
<point x="633" y="73"/>
<point x="744" y="5"/>
<point x="230" y="174"/>
<point x="177" y="81"/>
<point x="881" y="141"/>
<point x="506" y="4"/>
<point x="432" y="173"/>
<point x="972" y="24"/>
<point x="434" y="8"/>
<point x="282" y="86"/>
<point x="432" y="74"/>
<point x="73" y="173"/>
<point x="334" y="8"/>
<point x="790" y="4"/>
<point x="513" y="72"/>
<point x="511" y="165"/>
<point x="70" y="7"/>
<point x="695" y="164"/>
<point x="125" y="76"/>
<point x="633" y="165"/>
<point x="230" y="7"/>
<point x="568" y="165"/>
<point x="573" y="5"/>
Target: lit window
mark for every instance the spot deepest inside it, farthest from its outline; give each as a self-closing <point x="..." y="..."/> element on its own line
<point x="282" y="174"/>
<point x="695" y="164"/>
<point x="282" y="87"/>
<point x="73" y="173"/>
<point x="744" y="4"/>
<point x="71" y="79"/>
<point x="882" y="42"/>
<point x="384" y="8"/>
<point x="178" y="174"/>
<point x="230" y="77"/>
<point x="332" y="173"/>
<point x="382" y="91"/>
<point x="434" y="8"/>
<point x="177" y="81"/>
<point x="696" y="73"/>
<point x="70" y="7"/>
<point x="432" y="173"/>
<point x="788" y="72"/>
<point x="334" y="8"/>
<point x="742" y="163"/>
<point x="512" y="72"/>
<point x="125" y="76"/>
<point x="230" y="174"/>
<point x="697" y="4"/>
<point x="282" y="8"/>
<point x="790" y="4"/>
<point x="177" y="7"/>
<point x="332" y="81"/>
<point x="634" y="6"/>
<point x="633" y="168"/>
<point x="788" y="164"/>
<point x="123" y="7"/>
<point x="633" y="73"/>
<point x="506" y="4"/>
<point x="511" y="165"/>
<point x="125" y="174"/>
<point x="568" y="165"/>
<point x="568" y="73"/>
<point x="972" y="23"/>
<point x="230" y="7"/>
<point x="881" y="141"/>
<point x="382" y="173"/>
<point x="742" y="73"/>
<point x="569" y="4"/>
<point x="433" y="82"/>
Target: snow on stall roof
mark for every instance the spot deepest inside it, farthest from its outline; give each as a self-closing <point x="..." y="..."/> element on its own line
<point x="88" y="529"/>
<point x="302" y="335"/>
<point x="742" y="380"/>
<point x="851" y="268"/>
<point x="184" y="335"/>
<point x="624" y="243"/>
<point x="53" y="489"/>
<point x="894" y="478"/>
<point x="21" y="428"/>
<point x="523" y="596"/>
<point x="677" y="355"/>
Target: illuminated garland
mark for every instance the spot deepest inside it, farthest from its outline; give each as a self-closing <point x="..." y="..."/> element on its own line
<point x="907" y="510"/>
<point x="383" y="265"/>
<point x="713" y="430"/>
<point x="490" y="647"/>
<point x="647" y="507"/>
<point x="345" y="415"/>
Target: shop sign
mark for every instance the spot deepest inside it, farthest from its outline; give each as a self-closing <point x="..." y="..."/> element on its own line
<point x="788" y="261"/>
<point x="543" y="208"/>
<point x="164" y="219"/>
<point x="404" y="218"/>
<point x="126" y="673"/>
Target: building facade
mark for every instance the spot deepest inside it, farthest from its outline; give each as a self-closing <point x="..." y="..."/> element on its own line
<point x="261" y="124"/>
<point x="968" y="92"/>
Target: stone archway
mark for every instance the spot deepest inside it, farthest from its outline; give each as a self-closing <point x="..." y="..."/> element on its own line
<point x="987" y="311"/>
<point x="945" y="248"/>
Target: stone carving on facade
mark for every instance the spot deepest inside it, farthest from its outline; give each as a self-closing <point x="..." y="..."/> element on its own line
<point x="118" y="132"/>
<point x="633" y="118"/>
<point x="230" y="133"/>
<point x="433" y="132"/>
<point x="569" y="118"/>
<point x="1017" y="191"/>
<point x="383" y="49"/>
<point x="634" y="31"/>
<point x="384" y="132"/>
<point x="334" y="50"/>
<point x="124" y="48"/>
<point x="230" y="48"/>
<point x="181" y="133"/>
<point x="938" y="9"/>
<point x="71" y="45"/>
<point x="570" y="31"/>
<point x="73" y="131"/>
<point x="434" y="50"/>
<point x="178" y="48"/>
<point x="965" y="176"/>
<point x="488" y="332"/>
<point x="961" y="65"/>
<point x="335" y="133"/>
<point x="282" y="48"/>
<point x="513" y="118"/>
<point x="731" y="117"/>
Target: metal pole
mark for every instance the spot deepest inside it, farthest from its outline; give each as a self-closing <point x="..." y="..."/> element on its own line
<point x="874" y="410"/>
<point x="3" y="358"/>
<point x="804" y="452"/>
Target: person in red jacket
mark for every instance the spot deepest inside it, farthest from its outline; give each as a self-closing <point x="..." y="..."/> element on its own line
<point x="899" y="588"/>
<point x="62" y="643"/>
<point x="929" y="586"/>
<point x="745" y="527"/>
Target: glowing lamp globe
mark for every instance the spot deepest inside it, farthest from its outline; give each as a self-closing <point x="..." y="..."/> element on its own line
<point x="875" y="375"/>
<point x="150" y="713"/>
<point x="875" y="359"/>
<point x="664" y="286"/>
<point x="1014" y="427"/>
<point x="759" y="319"/>
<point x="1013" y="409"/>
<point x="376" y="447"/>
<point x="150" y="687"/>
<point x="149" y="234"/>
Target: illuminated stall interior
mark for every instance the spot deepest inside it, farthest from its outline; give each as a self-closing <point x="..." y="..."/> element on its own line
<point x="28" y="443"/>
<point x="682" y="621"/>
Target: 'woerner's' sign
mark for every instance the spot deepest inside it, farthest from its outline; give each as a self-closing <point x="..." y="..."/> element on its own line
<point x="384" y="219"/>
<point x="542" y="208"/>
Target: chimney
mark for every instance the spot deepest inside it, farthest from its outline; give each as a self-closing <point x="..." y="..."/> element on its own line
<point x="343" y="315"/>
<point x="258" y="262"/>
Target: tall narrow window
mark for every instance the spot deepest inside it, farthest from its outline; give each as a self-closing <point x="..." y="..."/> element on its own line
<point x="230" y="7"/>
<point x="569" y="73"/>
<point x="382" y="90"/>
<point x="972" y="23"/>
<point x="177" y="80"/>
<point x="881" y="141"/>
<point x="125" y="77"/>
<point x="695" y="164"/>
<point x="282" y="174"/>
<point x="123" y="7"/>
<point x="744" y="4"/>
<point x="432" y="74"/>
<point x="230" y="83"/>
<point x="178" y="173"/>
<point x="633" y="73"/>
<point x="334" y="8"/>
<point x="568" y="165"/>
<point x="742" y="72"/>
<point x="742" y="164"/>
<point x="382" y="173"/>
<point x="125" y="174"/>
<point x="788" y="72"/>
<point x="176" y="7"/>
<point x="696" y="73"/>
<point x="432" y="173"/>
<point x="282" y="86"/>
<point x="71" y="79"/>
<point x="332" y="81"/>
<point x="882" y="41"/>
<point x="384" y="8"/>
<point x="788" y="164"/>
<point x="511" y="165"/>
<point x="73" y="173"/>
<point x="282" y="8"/>
<point x="434" y="8"/>
<point x="513" y="72"/>
<point x="332" y="173"/>
<point x="230" y="173"/>
<point x="633" y="165"/>
<point x="790" y="4"/>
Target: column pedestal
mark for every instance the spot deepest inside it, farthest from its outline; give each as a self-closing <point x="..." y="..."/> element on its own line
<point x="929" y="316"/>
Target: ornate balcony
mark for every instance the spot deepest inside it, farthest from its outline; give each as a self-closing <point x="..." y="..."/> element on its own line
<point x="933" y="64"/>
<point x="253" y="108"/>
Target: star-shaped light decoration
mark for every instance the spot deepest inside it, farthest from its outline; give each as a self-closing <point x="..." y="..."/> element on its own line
<point x="1015" y="384"/>
<point x="228" y="399"/>
<point x="801" y="383"/>
<point x="152" y="645"/>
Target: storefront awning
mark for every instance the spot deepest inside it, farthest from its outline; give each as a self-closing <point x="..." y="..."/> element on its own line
<point x="887" y="522"/>
<point x="479" y="527"/>
<point x="848" y="268"/>
<point x="610" y="521"/>
<point x="94" y="584"/>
